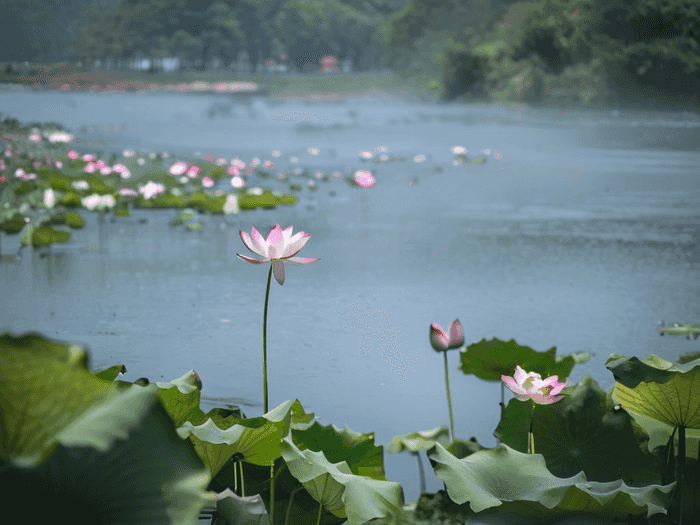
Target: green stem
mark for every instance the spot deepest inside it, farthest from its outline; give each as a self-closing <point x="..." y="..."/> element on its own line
<point x="320" y="508"/>
<point x="421" y="472"/>
<point x="289" y="505"/>
<point x="530" y="435"/>
<point x="267" y="296"/>
<point x="449" y="399"/>
<point x="681" y="469"/>
<point x="272" y="492"/>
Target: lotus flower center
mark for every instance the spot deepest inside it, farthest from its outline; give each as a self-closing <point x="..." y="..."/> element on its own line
<point x="546" y="390"/>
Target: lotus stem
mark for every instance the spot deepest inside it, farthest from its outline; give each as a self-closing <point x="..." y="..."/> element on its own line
<point x="272" y="489"/>
<point x="530" y="435"/>
<point x="421" y="472"/>
<point x="449" y="399"/>
<point x="264" y="341"/>
<point x="242" y="480"/>
<point x="681" y="468"/>
<point x="289" y="505"/>
<point x="320" y="508"/>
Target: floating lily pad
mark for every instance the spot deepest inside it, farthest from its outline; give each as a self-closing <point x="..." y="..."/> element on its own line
<point x="489" y="359"/>
<point x="14" y="224"/>
<point x="46" y="236"/>
<point x="69" y="218"/>
<point x="582" y="432"/>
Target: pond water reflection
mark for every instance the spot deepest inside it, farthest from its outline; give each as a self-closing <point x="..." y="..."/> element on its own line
<point x="582" y="231"/>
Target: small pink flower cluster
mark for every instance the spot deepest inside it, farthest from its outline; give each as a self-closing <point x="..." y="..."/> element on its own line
<point x="20" y="173"/>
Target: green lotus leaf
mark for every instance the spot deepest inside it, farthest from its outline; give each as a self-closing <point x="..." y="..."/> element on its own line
<point x="665" y="391"/>
<point x="256" y="440"/>
<point x="486" y="479"/>
<point x="241" y="511"/>
<point x="119" y="462"/>
<point x="356" y="449"/>
<point x="687" y="330"/>
<point x="181" y="398"/>
<point x="659" y="433"/>
<point x="582" y="432"/>
<point x="44" y="386"/>
<point x="419" y="440"/>
<point x="69" y="218"/>
<point x="13" y="224"/>
<point x="111" y="373"/>
<point x="45" y="236"/>
<point x="489" y="359"/>
<point x="293" y="414"/>
<point x="341" y="492"/>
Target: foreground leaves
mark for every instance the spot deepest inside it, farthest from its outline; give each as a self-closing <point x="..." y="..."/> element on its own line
<point x="86" y="449"/>
<point x="582" y="432"/>
<point x="334" y="486"/>
<point x="490" y="478"/>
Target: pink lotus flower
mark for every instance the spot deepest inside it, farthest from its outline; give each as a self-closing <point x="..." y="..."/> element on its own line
<point x="441" y="342"/>
<point x="207" y="182"/>
<point x="531" y="386"/>
<point x="193" y="171"/>
<point x="178" y="168"/>
<point x="72" y="155"/>
<point x="364" y="178"/>
<point x="279" y="247"/>
<point x="35" y="137"/>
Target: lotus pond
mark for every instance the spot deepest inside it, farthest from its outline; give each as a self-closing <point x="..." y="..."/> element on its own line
<point x="578" y="230"/>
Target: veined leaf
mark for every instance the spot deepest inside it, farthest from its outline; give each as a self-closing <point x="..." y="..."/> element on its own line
<point x="339" y="491"/>
<point x="488" y="478"/>
<point x="582" y="432"/>
<point x="665" y="391"/>
<point x="419" y="440"/>
<point x="358" y="450"/>
<point x="489" y="359"/>
<point x="44" y="387"/>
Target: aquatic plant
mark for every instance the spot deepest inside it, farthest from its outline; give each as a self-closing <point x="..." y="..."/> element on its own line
<point x="441" y="342"/>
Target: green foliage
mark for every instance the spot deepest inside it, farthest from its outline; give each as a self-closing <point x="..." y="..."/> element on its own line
<point x="582" y="432"/>
<point x="505" y="480"/>
<point x="14" y="224"/>
<point x="46" y="236"/>
<point x="489" y="359"/>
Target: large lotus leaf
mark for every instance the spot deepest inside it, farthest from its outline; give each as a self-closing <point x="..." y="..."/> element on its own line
<point x="582" y="432"/>
<point x="181" y="398"/>
<point x="489" y="359"/>
<point x="356" y="449"/>
<point x="487" y="478"/>
<point x="338" y="490"/>
<point x="237" y="510"/>
<point x="44" y="386"/>
<point x="257" y="440"/>
<point x="111" y="373"/>
<point x="665" y="391"/>
<point x="293" y="414"/>
<point x="419" y="440"/>
<point x="119" y="462"/>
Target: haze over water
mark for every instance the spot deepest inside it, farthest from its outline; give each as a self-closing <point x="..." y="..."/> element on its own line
<point x="582" y="231"/>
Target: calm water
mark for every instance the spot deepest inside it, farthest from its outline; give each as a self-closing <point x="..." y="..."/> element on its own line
<point x="583" y="234"/>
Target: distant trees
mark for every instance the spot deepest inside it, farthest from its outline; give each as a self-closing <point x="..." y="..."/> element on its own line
<point x="571" y="50"/>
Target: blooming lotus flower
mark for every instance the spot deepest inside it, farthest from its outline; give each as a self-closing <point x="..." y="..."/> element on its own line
<point x="151" y="189"/>
<point x="49" y="198"/>
<point x="364" y="178"/>
<point x="178" y="168"/>
<point x="207" y="182"/>
<point x="279" y="247"/>
<point x="441" y="342"/>
<point x="231" y="205"/>
<point x="72" y="155"/>
<point x="531" y="386"/>
<point x="35" y="137"/>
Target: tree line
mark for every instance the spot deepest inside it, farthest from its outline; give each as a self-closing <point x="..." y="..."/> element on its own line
<point x="583" y="51"/>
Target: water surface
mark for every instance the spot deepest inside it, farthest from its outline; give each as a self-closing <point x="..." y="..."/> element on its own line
<point x="582" y="231"/>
